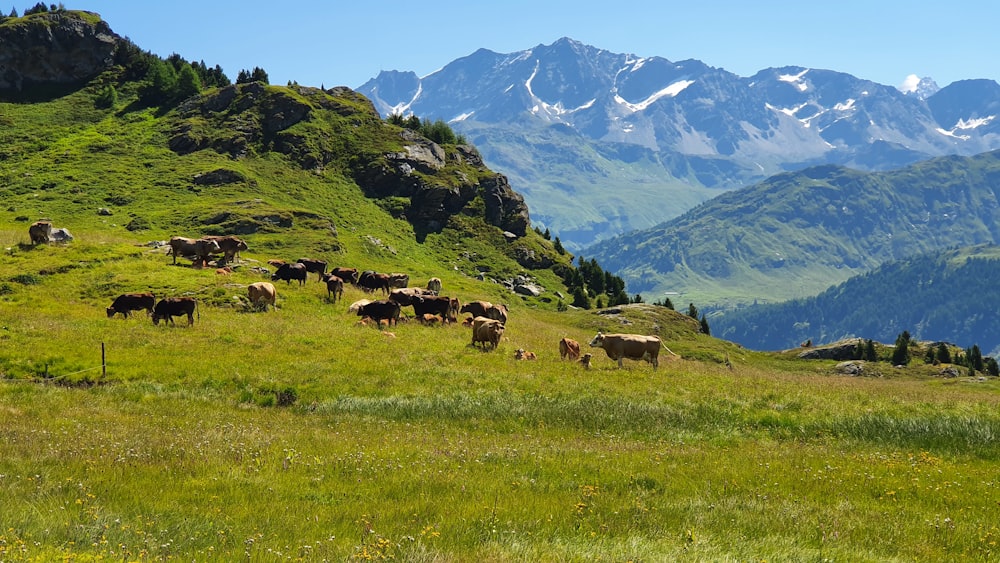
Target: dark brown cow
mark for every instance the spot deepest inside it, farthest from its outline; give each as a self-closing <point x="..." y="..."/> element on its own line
<point x="128" y="302"/>
<point x="488" y="331"/>
<point x="379" y="310"/>
<point x="404" y="295"/>
<point x="569" y="348"/>
<point x="631" y="346"/>
<point x="486" y="309"/>
<point x="317" y="267"/>
<point x="40" y="232"/>
<point x="262" y="294"/>
<point x="334" y="287"/>
<point x="171" y="307"/>
<point x="434" y="305"/>
<point x="201" y="249"/>
<point x="289" y="272"/>
<point x="349" y="275"/>
<point x="373" y="281"/>
<point x="230" y="246"/>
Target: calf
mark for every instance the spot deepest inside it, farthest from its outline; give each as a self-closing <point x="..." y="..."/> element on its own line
<point x="334" y="287"/>
<point x="129" y="302"/>
<point x="262" y="294"/>
<point x="585" y="360"/>
<point x="521" y="354"/>
<point x="171" y="307"/>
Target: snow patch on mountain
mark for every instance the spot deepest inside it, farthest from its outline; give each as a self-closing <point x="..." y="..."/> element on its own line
<point x="670" y="91"/>
<point x="796" y="80"/>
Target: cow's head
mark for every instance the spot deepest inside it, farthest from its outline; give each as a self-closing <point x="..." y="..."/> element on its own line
<point x="598" y="340"/>
<point x="156" y="318"/>
<point x="111" y="312"/>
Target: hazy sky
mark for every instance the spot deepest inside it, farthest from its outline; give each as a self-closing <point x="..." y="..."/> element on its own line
<point x="345" y="43"/>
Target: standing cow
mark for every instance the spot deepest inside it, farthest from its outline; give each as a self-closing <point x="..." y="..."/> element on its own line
<point x="373" y="281"/>
<point x="40" y="232"/>
<point x="230" y="247"/>
<point x="434" y="284"/>
<point x="289" y="272"/>
<point x="486" y="309"/>
<point x="334" y="287"/>
<point x="397" y="280"/>
<point x="262" y="294"/>
<point x="379" y="310"/>
<point x="128" y="302"/>
<point x="317" y="267"/>
<point x="488" y="331"/>
<point x="569" y="348"/>
<point x="630" y="346"/>
<point x="201" y="249"/>
<point x="171" y="307"/>
<point x="349" y="275"/>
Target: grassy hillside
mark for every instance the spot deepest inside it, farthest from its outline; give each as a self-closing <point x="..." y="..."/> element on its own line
<point x="796" y="234"/>
<point x="297" y="434"/>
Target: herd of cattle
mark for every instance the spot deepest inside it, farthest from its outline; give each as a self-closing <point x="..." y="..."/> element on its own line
<point x="487" y="320"/>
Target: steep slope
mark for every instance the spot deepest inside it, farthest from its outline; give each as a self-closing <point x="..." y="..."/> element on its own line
<point x="797" y="233"/>
<point x="698" y="128"/>
<point x="945" y="296"/>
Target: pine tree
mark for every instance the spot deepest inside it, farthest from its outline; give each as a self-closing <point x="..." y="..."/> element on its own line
<point x="901" y="354"/>
<point x="943" y="354"/>
<point x="692" y="311"/>
<point x="704" y="326"/>
<point x="870" y="354"/>
<point x="580" y="298"/>
<point x="991" y="367"/>
<point x="258" y="75"/>
<point x="188" y="83"/>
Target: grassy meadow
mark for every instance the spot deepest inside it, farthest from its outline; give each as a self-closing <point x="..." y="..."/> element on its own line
<point x="296" y="434"/>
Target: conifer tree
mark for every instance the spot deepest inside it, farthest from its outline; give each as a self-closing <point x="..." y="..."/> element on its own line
<point x="692" y="311"/>
<point x="943" y="354"/>
<point x="704" y="326"/>
<point x="870" y="354"/>
<point x="901" y="355"/>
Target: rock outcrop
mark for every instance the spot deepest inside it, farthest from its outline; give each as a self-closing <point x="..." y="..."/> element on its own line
<point x="55" y="48"/>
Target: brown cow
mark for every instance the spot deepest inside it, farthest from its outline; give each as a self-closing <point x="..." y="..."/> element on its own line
<point x="585" y="360"/>
<point x="229" y="246"/>
<point x="429" y="319"/>
<point x="631" y="346"/>
<point x="349" y="275"/>
<point x="373" y="281"/>
<point x="569" y="348"/>
<point x="334" y="287"/>
<point x="40" y="232"/>
<point x="174" y="307"/>
<point x="486" y="309"/>
<point x="200" y="249"/>
<point x="442" y="306"/>
<point x="488" y="331"/>
<point x="262" y="294"/>
<point x="404" y="295"/>
<point x="129" y="302"/>
<point x="315" y="266"/>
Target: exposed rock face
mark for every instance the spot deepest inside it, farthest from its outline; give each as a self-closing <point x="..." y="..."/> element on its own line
<point x="505" y="208"/>
<point x="841" y="351"/>
<point x="61" y="47"/>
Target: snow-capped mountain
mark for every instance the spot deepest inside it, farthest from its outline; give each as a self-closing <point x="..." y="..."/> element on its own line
<point x="600" y="143"/>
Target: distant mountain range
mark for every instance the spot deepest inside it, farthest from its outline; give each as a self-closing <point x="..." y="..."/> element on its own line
<point x="604" y="143"/>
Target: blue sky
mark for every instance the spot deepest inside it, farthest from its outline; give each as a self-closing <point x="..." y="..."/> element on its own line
<point x="337" y="43"/>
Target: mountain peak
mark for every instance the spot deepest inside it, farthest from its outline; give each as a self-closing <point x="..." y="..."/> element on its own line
<point x="922" y="88"/>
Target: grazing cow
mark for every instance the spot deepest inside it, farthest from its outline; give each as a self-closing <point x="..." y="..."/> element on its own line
<point x="399" y="280"/>
<point x="486" y="309"/>
<point x="171" y="307"/>
<point x="60" y="235"/>
<point x="569" y="348"/>
<point x="349" y="275"/>
<point x="289" y="272"/>
<point x="317" y="267"/>
<point x="442" y="306"/>
<point x="372" y="282"/>
<point x="357" y="305"/>
<point x="521" y="354"/>
<point x="229" y="246"/>
<point x="585" y="360"/>
<point x="381" y="310"/>
<point x="201" y="249"/>
<point x="404" y="295"/>
<point x="631" y="346"/>
<point x="434" y="284"/>
<point x="129" y="302"/>
<point x="334" y="287"/>
<point x="488" y="331"/>
<point x="262" y="294"/>
<point x="40" y="232"/>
